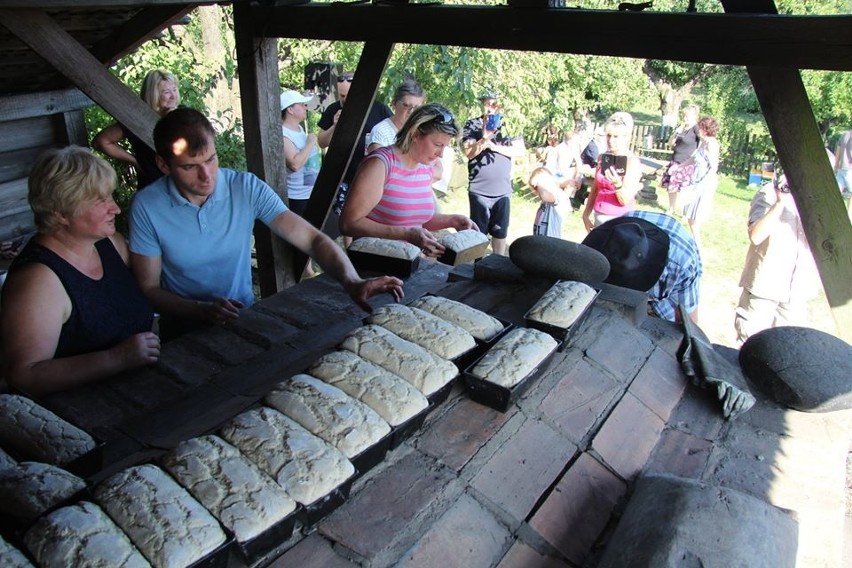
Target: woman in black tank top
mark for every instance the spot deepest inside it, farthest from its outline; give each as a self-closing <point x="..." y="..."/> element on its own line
<point x="72" y="312"/>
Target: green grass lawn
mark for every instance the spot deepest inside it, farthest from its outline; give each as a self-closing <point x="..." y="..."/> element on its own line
<point x="725" y="242"/>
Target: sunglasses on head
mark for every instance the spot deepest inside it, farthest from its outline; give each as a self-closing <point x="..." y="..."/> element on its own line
<point x="443" y="117"/>
<point x="347" y="78"/>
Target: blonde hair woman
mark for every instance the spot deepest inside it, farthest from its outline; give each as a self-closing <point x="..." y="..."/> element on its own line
<point x="92" y="319"/>
<point x="391" y="196"/>
<point x="160" y="91"/>
<point x="617" y="174"/>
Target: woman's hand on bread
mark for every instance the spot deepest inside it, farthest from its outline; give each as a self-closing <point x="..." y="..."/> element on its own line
<point x="361" y="290"/>
<point x="425" y="241"/>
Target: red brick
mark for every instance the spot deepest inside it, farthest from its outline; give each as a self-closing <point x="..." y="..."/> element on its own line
<point x="312" y="552"/>
<point x="681" y="454"/>
<point x="383" y="517"/>
<point x="522" y="556"/>
<point x="660" y="384"/>
<point x="628" y="436"/>
<point x="467" y="535"/>
<point x="579" y="508"/>
<point x="622" y="349"/>
<point x="526" y="465"/>
<point x="460" y="432"/>
<point x="576" y="404"/>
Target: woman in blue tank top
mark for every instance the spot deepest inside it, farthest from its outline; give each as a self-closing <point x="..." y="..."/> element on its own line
<point x="72" y="311"/>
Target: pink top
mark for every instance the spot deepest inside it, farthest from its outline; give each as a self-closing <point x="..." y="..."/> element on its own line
<point x="607" y="202"/>
<point x="407" y="198"/>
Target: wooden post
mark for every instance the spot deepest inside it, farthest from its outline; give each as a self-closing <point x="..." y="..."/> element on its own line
<point x="794" y="131"/>
<point x="257" y="62"/>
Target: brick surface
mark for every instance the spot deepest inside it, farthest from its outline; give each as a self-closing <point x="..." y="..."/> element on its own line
<point x="576" y="404"/>
<point x="622" y="350"/>
<point x="522" y="556"/>
<point x="699" y="413"/>
<point x="312" y="552"/>
<point x="667" y="335"/>
<point x="389" y="512"/>
<point x="660" y="383"/>
<point x="579" y="508"/>
<point x="527" y="464"/>
<point x="628" y="436"/>
<point x="461" y="432"/>
<point x="467" y="535"/>
<point x="681" y="454"/>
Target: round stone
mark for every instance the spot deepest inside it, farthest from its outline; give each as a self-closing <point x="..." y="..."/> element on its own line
<point x="801" y="368"/>
<point x="550" y="257"/>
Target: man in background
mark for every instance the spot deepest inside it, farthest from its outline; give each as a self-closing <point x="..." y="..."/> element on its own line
<point x="780" y="275"/>
<point x="490" y="152"/>
<point x="327" y="125"/>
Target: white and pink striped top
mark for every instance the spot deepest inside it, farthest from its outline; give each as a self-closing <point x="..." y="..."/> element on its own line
<point x="407" y="198"/>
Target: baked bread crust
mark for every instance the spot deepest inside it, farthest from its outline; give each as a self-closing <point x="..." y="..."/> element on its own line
<point x="229" y="485"/>
<point x="160" y="517"/>
<point x="514" y="357"/>
<point x="562" y="304"/>
<point x="463" y="240"/>
<point x="385" y="247"/>
<point x="443" y="338"/>
<point x="395" y="399"/>
<point x="28" y="489"/>
<point x="81" y="535"/>
<point x="476" y="322"/>
<point x="348" y="424"/>
<point x="417" y="365"/>
<point x="36" y="432"/>
<point x="306" y="466"/>
<point x="11" y="557"/>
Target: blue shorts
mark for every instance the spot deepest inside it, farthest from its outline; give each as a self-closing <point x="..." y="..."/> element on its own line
<point x="491" y="214"/>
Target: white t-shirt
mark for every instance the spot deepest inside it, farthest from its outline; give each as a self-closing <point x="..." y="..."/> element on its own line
<point x="383" y="134"/>
<point x="300" y="183"/>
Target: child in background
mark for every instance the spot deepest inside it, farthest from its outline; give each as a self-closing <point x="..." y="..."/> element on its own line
<point x="548" y="218"/>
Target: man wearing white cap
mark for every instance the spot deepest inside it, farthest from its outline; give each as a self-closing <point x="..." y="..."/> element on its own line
<point x="301" y="153"/>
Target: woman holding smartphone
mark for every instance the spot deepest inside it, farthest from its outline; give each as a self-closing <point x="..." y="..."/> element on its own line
<point x="617" y="175"/>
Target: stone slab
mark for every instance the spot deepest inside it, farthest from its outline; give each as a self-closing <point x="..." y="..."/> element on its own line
<point x="312" y="552"/>
<point x="523" y="556"/>
<point x="525" y="467"/>
<point x="578" y="509"/>
<point x="622" y="350"/>
<point x="660" y="384"/>
<point x="628" y="436"/>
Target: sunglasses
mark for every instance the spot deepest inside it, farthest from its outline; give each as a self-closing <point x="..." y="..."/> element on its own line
<point x="347" y="78"/>
<point x="443" y="118"/>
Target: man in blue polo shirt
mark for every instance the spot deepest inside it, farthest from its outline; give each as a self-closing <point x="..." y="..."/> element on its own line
<point x="191" y="232"/>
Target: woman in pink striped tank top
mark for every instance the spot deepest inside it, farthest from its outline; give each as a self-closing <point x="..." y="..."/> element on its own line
<point x="391" y="196"/>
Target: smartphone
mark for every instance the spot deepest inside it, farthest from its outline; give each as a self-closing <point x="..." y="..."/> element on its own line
<point x="493" y="121"/>
<point x="612" y="161"/>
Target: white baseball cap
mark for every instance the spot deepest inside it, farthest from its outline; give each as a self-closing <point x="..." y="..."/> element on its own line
<point x="289" y="98"/>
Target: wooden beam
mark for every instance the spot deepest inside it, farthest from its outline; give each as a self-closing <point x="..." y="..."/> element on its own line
<point x="804" y="42"/>
<point x="137" y="31"/>
<point x="362" y="94"/>
<point x="59" y="4"/>
<point x="257" y="63"/>
<point x="48" y="39"/>
<point x="797" y="140"/>
<point x="15" y="107"/>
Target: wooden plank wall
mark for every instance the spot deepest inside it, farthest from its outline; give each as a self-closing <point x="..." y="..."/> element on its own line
<point x="27" y="128"/>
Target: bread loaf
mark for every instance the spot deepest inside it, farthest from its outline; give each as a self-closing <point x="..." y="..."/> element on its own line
<point x="229" y="485"/>
<point x="307" y="467"/>
<point x="6" y="460"/>
<point x="385" y="247"/>
<point x="515" y="356"/>
<point x="345" y="423"/>
<point x="28" y="489"/>
<point x="81" y="535"/>
<point x="39" y="434"/>
<point x="562" y="304"/>
<point x="477" y="323"/>
<point x="170" y="527"/>
<point x="417" y="365"/>
<point x="441" y="337"/>
<point x="11" y="557"/>
<point x="395" y="399"/>
<point x="463" y="240"/>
